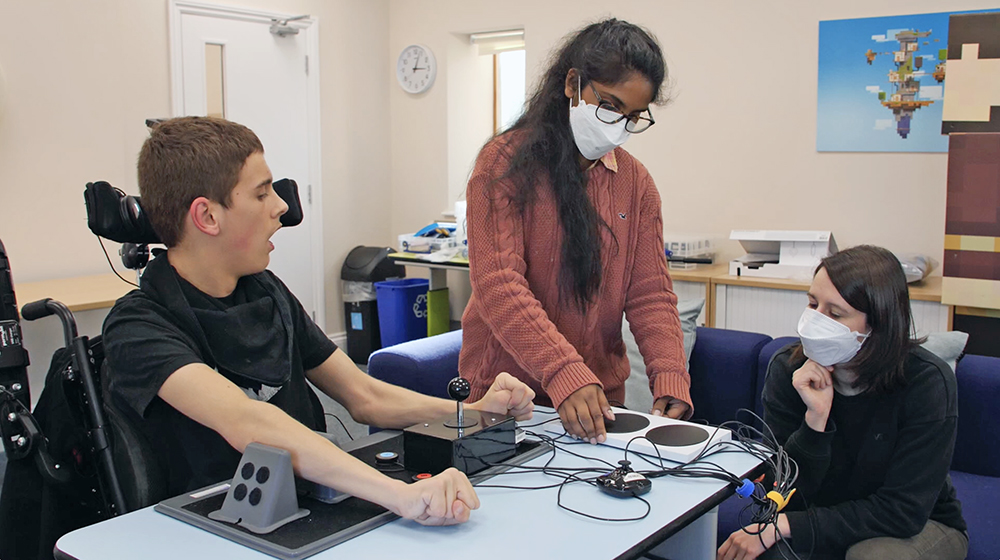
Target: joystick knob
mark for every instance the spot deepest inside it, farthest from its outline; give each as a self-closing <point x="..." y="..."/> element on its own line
<point x="459" y="389"/>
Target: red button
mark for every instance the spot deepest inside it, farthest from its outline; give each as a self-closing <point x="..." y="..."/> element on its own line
<point x="422" y="476"/>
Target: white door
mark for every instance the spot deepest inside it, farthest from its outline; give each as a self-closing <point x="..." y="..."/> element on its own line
<point x="266" y="85"/>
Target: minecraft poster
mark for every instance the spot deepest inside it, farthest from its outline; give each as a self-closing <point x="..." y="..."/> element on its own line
<point x="881" y="84"/>
<point x="972" y="121"/>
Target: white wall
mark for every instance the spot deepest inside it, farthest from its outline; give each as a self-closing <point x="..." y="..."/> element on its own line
<point x="81" y="78"/>
<point x="736" y="147"/>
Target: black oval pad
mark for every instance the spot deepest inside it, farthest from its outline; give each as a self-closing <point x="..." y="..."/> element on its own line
<point x="625" y="423"/>
<point x="677" y="436"/>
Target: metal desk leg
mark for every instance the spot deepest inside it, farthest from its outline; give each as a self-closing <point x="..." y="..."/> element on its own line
<point x="439" y="279"/>
<point x="694" y="542"/>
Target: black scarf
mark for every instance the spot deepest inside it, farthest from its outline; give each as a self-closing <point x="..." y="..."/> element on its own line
<point x="249" y="336"/>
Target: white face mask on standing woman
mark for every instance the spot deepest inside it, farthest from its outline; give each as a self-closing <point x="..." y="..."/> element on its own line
<point x="593" y="137"/>
<point x="826" y="341"/>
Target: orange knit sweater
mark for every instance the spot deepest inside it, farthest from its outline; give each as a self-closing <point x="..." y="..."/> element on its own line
<point x="515" y="322"/>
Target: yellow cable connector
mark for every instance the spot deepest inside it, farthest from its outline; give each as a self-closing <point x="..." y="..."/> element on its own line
<point x="777" y="498"/>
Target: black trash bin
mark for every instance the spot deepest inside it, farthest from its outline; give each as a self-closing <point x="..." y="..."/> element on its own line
<point x="362" y="268"/>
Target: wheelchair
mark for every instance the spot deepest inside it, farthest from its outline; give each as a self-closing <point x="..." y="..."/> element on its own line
<point x="78" y="458"/>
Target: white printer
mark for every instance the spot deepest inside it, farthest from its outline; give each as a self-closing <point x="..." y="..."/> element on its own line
<point x="781" y="253"/>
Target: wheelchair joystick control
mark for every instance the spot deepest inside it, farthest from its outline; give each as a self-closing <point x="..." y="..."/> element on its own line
<point x="459" y="389"/>
<point x="469" y="441"/>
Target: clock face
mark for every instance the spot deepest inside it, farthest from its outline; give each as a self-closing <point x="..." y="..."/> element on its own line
<point x="416" y="68"/>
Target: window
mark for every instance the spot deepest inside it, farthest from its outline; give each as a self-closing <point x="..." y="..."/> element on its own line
<point x="485" y="81"/>
<point x="507" y="50"/>
<point x="508" y="88"/>
<point x="215" y="81"/>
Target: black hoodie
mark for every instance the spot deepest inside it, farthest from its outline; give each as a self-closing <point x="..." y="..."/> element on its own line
<point x="881" y="467"/>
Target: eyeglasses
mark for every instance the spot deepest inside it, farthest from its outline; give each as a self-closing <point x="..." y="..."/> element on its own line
<point x="608" y="113"/>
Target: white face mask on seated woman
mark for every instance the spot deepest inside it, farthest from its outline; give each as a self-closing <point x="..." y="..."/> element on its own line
<point x="826" y="341"/>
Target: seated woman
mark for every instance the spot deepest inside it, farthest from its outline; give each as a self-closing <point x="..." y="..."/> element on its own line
<point x="870" y="417"/>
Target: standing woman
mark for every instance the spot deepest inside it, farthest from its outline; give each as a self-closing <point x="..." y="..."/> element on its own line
<point x="565" y="234"/>
<point x="870" y="418"/>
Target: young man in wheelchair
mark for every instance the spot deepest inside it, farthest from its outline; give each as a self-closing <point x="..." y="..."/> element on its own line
<point x="213" y="352"/>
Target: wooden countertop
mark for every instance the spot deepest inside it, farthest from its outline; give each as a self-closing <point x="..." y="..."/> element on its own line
<point x="79" y="294"/>
<point x="417" y="259"/>
<point x="703" y="272"/>
<point x="928" y="289"/>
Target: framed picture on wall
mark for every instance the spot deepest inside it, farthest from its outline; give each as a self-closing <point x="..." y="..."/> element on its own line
<point x="881" y="84"/>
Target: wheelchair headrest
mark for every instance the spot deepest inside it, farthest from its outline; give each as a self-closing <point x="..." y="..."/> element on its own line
<point x="119" y="217"/>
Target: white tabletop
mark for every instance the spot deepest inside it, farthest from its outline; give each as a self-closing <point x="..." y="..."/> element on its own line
<point x="509" y="523"/>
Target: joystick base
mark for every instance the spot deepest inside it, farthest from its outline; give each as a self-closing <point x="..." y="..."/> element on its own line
<point x="433" y="446"/>
<point x="465" y="425"/>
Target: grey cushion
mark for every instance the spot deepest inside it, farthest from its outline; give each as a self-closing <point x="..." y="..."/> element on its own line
<point x="637" y="394"/>
<point x="947" y="345"/>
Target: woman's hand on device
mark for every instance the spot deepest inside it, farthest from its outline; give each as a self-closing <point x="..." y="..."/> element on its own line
<point x="583" y="414"/>
<point x="670" y="407"/>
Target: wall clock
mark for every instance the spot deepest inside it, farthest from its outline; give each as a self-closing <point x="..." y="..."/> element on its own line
<point x="416" y="69"/>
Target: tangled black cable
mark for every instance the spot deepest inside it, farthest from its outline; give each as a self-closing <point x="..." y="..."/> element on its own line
<point x="566" y="475"/>
<point x="765" y="505"/>
<point x="763" y="508"/>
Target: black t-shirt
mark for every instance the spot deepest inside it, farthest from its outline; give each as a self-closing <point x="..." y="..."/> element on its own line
<point x="259" y="337"/>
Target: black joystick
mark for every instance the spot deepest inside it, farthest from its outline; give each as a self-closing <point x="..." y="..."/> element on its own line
<point x="469" y="442"/>
<point x="459" y="389"/>
<point x="623" y="482"/>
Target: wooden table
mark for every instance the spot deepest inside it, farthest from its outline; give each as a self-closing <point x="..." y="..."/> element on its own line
<point x="928" y="289"/>
<point x="702" y="274"/>
<point x="79" y="294"/>
<point x="925" y="296"/>
<point x="438" y="270"/>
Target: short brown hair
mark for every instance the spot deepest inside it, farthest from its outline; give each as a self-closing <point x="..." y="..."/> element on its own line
<point x="188" y="157"/>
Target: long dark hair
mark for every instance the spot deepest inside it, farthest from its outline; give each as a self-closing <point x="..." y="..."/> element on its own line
<point x="871" y="280"/>
<point x="609" y="52"/>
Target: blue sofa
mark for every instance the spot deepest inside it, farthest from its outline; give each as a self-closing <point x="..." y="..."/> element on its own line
<point x="727" y="372"/>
